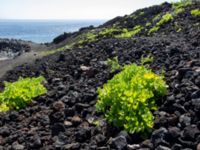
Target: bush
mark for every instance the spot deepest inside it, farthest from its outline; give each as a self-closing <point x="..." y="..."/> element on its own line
<point x="129" y="97"/>
<point x="148" y="59"/>
<point x="154" y="29"/>
<point x="114" y="63"/>
<point x="166" y="18"/>
<point x="196" y="12"/>
<point x="181" y="4"/>
<point x="128" y="34"/>
<point x="109" y="32"/>
<point x="18" y="94"/>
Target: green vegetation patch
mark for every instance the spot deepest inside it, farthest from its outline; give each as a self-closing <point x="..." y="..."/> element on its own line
<point x="108" y="32"/>
<point x="129" y="97"/>
<point x="18" y="94"/>
<point x="86" y="37"/>
<point x="141" y="13"/>
<point x="156" y="18"/>
<point x="178" y="27"/>
<point x="148" y="59"/>
<point x="148" y="24"/>
<point x="182" y="3"/>
<point x="179" y="6"/>
<point x="179" y="10"/>
<point x="154" y="29"/>
<point x="165" y="19"/>
<point x="114" y="63"/>
<point x="128" y="34"/>
<point x="196" y="12"/>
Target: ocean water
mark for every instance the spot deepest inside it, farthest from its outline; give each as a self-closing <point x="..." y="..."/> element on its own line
<point x="41" y="31"/>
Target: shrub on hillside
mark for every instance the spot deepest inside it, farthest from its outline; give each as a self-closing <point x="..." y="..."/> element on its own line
<point x="129" y="97"/>
<point x="195" y="12"/>
<point x="18" y="94"/>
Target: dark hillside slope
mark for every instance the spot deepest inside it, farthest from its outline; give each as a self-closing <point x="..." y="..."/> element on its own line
<point x="65" y="118"/>
<point x="161" y="19"/>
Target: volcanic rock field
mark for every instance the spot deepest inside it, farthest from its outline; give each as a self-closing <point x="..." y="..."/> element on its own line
<point x="64" y="118"/>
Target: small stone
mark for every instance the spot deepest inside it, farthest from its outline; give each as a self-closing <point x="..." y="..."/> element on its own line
<point x="4" y="131"/>
<point x="67" y="123"/>
<point x="17" y="146"/>
<point x="70" y="112"/>
<point x="177" y="147"/>
<point x="185" y="120"/>
<point x="100" y="139"/>
<point x="88" y="71"/>
<point x="198" y="146"/>
<point x="81" y="105"/>
<point x="61" y="57"/>
<point x="2" y="140"/>
<point x="133" y="147"/>
<point x="119" y="143"/>
<point x="85" y="68"/>
<point x="90" y="120"/>
<point x="174" y="132"/>
<point x="57" y="128"/>
<point x="102" y="148"/>
<point x="72" y="146"/>
<point x="171" y="98"/>
<point x="159" y="136"/>
<point x="190" y="132"/>
<point x="59" y="144"/>
<point x="58" y="106"/>
<point x="125" y="134"/>
<point x="82" y="135"/>
<point x="172" y="120"/>
<point x="195" y="94"/>
<point x="147" y="144"/>
<point x="160" y="147"/>
<point x="45" y="120"/>
<point x="57" y="116"/>
<point x="196" y="103"/>
<point x="36" y="142"/>
<point x="76" y="120"/>
<point x="197" y="69"/>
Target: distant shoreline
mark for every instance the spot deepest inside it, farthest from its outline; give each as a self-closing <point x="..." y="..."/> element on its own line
<point x="41" y="31"/>
<point x="47" y="20"/>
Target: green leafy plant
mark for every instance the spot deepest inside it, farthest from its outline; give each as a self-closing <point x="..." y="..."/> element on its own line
<point x="178" y="27"/>
<point x="156" y="18"/>
<point x="129" y="97"/>
<point x="18" y="94"/>
<point x="87" y="37"/>
<point x="178" y="7"/>
<point x="128" y="34"/>
<point x="154" y="29"/>
<point x="141" y="13"/>
<point x="196" y="12"/>
<point x="166" y="18"/>
<point x="148" y="24"/>
<point x="108" y="32"/>
<point x="181" y="4"/>
<point x="148" y="59"/>
<point x="114" y="63"/>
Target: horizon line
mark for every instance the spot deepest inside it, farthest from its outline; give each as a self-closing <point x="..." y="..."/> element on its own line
<point x="57" y="19"/>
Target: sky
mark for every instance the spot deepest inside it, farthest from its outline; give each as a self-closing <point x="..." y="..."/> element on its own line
<point x="71" y="9"/>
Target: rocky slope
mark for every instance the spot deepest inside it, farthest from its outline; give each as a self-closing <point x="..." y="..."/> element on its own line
<point x="12" y="48"/>
<point x="65" y="118"/>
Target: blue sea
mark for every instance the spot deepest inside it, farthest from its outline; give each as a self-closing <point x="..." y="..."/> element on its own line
<point x="41" y="31"/>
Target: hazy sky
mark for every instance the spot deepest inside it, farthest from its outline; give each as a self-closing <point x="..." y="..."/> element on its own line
<point x="70" y="9"/>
